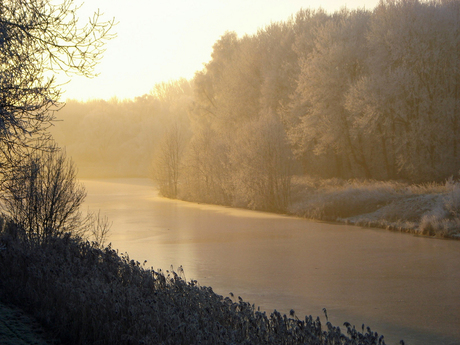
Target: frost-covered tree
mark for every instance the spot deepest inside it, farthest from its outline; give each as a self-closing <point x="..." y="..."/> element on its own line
<point x="227" y="90"/>
<point x="279" y="66"/>
<point x="336" y="62"/>
<point x="172" y="101"/>
<point x="262" y="164"/>
<point x="409" y="100"/>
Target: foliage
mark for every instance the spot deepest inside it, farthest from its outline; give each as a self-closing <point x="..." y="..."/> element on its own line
<point x="90" y="295"/>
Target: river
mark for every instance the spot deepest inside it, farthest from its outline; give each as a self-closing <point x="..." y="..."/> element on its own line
<point x="400" y="285"/>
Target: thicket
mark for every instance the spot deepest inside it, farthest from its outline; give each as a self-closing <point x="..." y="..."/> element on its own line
<point x="88" y="295"/>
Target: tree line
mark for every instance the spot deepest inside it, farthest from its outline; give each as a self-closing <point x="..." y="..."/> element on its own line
<point x="354" y="94"/>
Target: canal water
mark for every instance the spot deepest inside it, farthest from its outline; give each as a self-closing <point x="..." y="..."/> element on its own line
<point x="400" y="285"/>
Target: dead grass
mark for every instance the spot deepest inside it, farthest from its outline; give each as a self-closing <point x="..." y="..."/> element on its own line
<point x="429" y="209"/>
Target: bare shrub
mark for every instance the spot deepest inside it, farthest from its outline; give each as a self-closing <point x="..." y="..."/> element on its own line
<point x="43" y="197"/>
<point x="167" y="165"/>
<point x="97" y="227"/>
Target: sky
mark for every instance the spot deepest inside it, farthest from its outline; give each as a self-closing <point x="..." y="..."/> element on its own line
<point x="158" y="41"/>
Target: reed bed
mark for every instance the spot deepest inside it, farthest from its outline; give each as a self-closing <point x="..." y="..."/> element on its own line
<point x="88" y="295"/>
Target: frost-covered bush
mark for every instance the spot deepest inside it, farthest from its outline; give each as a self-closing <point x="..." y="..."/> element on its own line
<point x="452" y="199"/>
<point x="444" y="218"/>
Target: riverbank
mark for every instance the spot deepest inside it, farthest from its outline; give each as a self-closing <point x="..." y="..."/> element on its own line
<point x="430" y="209"/>
<point x="87" y="295"/>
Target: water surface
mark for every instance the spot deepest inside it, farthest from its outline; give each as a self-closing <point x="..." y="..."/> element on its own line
<point x="402" y="286"/>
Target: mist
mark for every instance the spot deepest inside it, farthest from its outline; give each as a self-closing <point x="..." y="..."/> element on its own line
<point x="117" y="138"/>
<point x="356" y="94"/>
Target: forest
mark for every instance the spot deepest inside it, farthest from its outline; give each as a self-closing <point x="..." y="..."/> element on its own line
<point x="353" y="95"/>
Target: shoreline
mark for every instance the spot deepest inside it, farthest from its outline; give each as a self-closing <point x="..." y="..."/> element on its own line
<point x="428" y="210"/>
<point x="418" y="210"/>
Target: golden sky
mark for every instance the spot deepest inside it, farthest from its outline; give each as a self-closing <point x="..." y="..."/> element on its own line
<point x="169" y="39"/>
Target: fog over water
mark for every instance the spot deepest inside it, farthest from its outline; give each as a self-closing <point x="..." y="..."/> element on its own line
<point x="402" y="286"/>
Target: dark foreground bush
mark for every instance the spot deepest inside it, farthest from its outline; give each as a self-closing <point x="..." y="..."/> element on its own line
<point x="86" y="295"/>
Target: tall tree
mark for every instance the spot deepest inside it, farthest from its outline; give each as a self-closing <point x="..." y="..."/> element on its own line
<point x="409" y="100"/>
<point x="227" y="90"/>
<point x="278" y="66"/>
<point x="208" y="177"/>
<point x="335" y="63"/>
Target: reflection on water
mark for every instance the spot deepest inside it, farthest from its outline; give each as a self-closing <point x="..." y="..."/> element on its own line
<point x="402" y="286"/>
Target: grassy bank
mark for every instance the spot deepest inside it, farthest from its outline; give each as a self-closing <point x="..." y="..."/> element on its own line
<point x="431" y="209"/>
<point x="428" y="209"/>
<point x="87" y="295"/>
